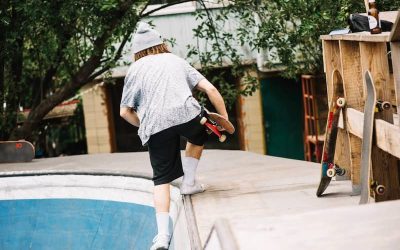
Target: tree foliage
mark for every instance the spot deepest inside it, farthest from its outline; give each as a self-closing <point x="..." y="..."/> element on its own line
<point x="51" y="48"/>
<point x="287" y="31"/>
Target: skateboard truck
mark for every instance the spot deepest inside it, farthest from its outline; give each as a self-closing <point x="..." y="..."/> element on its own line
<point x="381" y="105"/>
<point x="334" y="170"/>
<point x="213" y="127"/>
<point x="378" y="189"/>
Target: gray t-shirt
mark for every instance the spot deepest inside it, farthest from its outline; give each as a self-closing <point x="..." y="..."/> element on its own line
<point x="159" y="87"/>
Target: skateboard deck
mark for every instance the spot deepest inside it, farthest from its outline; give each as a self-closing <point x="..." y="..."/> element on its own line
<point x="215" y="123"/>
<point x="368" y="186"/>
<point x="16" y="151"/>
<point x="328" y="168"/>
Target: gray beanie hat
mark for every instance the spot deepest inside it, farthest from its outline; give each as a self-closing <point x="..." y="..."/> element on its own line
<point x="145" y="37"/>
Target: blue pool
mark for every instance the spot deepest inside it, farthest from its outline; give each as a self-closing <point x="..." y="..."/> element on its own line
<point x="84" y="212"/>
<point x="75" y="224"/>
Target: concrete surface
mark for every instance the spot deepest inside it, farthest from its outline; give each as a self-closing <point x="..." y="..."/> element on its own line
<point x="269" y="202"/>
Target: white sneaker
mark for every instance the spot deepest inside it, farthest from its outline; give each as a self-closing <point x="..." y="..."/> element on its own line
<point x="192" y="189"/>
<point x="160" y="242"/>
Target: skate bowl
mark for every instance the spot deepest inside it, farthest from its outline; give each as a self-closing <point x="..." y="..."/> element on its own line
<point x="83" y="210"/>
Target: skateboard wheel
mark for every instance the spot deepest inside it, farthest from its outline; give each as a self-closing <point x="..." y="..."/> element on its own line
<point x="222" y="138"/>
<point x="386" y="105"/>
<point x="331" y="172"/>
<point x="203" y="120"/>
<point x="341" y="102"/>
<point x="380" y="190"/>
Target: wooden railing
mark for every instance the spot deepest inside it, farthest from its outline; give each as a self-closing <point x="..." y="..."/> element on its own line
<point x="352" y="55"/>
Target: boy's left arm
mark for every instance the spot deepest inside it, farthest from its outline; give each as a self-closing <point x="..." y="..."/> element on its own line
<point x="130" y="116"/>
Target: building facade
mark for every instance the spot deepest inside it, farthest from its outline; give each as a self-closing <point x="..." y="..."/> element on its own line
<point x="107" y="132"/>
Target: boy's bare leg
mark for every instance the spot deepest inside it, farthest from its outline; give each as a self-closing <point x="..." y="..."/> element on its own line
<point x="161" y="204"/>
<point x="189" y="164"/>
<point x="161" y="198"/>
<point x="193" y="151"/>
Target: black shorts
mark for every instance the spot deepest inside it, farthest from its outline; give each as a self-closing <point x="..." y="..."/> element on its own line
<point x="164" y="149"/>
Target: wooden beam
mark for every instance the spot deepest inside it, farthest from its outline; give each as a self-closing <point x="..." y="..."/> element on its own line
<point x="387" y="135"/>
<point x="395" y="33"/>
<point x="332" y="62"/>
<point x="395" y="48"/>
<point x="354" y="122"/>
<point x="364" y="36"/>
<point x="354" y="94"/>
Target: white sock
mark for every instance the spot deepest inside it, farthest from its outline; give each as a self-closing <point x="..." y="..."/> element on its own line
<point x="162" y="222"/>
<point x="189" y="165"/>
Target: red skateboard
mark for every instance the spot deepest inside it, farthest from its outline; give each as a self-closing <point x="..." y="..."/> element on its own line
<point x="216" y="123"/>
<point x="328" y="168"/>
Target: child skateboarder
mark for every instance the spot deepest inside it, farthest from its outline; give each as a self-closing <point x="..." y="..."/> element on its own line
<point x="157" y="98"/>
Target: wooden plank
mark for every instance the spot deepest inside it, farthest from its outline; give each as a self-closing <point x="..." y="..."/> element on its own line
<point x="392" y="90"/>
<point x="387" y="135"/>
<point x="384" y="166"/>
<point x="351" y="68"/>
<point x="395" y="33"/>
<point x="364" y="36"/>
<point x="332" y="62"/>
<point x="395" y="48"/>
<point x="355" y="121"/>
<point x="331" y="55"/>
<point x="354" y="92"/>
<point x="342" y="150"/>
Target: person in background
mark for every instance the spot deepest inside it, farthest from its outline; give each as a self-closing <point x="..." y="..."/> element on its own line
<point x="157" y="98"/>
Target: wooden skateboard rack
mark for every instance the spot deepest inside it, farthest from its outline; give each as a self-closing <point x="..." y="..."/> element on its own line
<point x="353" y="54"/>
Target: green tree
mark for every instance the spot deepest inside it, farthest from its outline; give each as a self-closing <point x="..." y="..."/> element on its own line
<point x="287" y="30"/>
<point x="49" y="49"/>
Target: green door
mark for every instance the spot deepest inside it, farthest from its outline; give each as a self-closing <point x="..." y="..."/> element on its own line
<point x="283" y="117"/>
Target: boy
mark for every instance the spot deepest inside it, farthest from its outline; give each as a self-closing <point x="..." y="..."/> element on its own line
<point x="157" y="98"/>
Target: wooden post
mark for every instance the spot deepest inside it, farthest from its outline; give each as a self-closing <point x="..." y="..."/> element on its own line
<point x="395" y="48"/>
<point x="353" y="88"/>
<point x="332" y="62"/>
